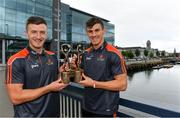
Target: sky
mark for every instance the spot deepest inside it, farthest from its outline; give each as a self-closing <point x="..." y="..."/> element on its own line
<point x="137" y="21"/>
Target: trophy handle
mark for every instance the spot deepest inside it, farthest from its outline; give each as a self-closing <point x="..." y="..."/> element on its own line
<point x="79" y="50"/>
<point x="66" y="48"/>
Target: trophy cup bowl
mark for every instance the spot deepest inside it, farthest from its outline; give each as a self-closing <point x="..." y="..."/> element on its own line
<point x="77" y="76"/>
<point x="65" y="77"/>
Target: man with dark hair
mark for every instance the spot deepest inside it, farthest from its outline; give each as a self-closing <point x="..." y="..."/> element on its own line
<point x="104" y="73"/>
<point x="32" y="82"/>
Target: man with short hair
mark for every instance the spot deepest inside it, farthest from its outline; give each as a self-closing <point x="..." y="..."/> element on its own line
<point x="32" y="82"/>
<point x="104" y="73"/>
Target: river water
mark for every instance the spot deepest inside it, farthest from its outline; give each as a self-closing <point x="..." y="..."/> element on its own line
<point x="159" y="88"/>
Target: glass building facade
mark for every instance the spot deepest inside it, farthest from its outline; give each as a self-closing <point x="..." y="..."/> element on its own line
<point x="13" y="16"/>
<point x="73" y="23"/>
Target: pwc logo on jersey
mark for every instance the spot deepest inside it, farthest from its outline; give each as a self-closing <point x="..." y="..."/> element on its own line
<point x="34" y="66"/>
<point x="101" y="57"/>
<point x="89" y="57"/>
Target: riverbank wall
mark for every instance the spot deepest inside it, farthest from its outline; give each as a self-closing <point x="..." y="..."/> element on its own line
<point x="143" y="65"/>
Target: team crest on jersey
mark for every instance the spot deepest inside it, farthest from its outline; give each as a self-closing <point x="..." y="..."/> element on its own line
<point x="101" y="57"/>
<point x="49" y="62"/>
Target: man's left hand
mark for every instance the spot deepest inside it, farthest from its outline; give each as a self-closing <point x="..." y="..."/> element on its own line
<point x="86" y="81"/>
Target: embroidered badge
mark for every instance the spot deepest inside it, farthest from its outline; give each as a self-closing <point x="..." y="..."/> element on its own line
<point x="101" y="57"/>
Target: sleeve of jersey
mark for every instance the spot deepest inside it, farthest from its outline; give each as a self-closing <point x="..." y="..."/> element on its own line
<point x="15" y="73"/>
<point x="117" y="65"/>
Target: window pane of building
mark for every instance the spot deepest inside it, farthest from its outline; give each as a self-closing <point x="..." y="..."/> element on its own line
<point x="39" y="9"/>
<point x="49" y="22"/>
<point x="49" y="34"/>
<point x="10" y="4"/>
<point x="2" y="13"/>
<point x="63" y="36"/>
<point x="2" y="26"/>
<point x="10" y="14"/>
<point x="10" y="27"/>
<point x="20" y="30"/>
<point x="45" y="2"/>
<point x="77" y="37"/>
<point x="21" y="5"/>
<point x="2" y="2"/>
<point x="21" y="17"/>
<point x="30" y="6"/>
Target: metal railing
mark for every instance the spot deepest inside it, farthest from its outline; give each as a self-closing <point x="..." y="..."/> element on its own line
<point x="70" y="101"/>
<point x="69" y="107"/>
<point x="72" y="96"/>
<point x="137" y="109"/>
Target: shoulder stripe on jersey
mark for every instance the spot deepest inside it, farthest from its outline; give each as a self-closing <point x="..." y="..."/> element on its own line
<point x="49" y="52"/>
<point x="9" y="75"/>
<point x="113" y="49"/>
<point x="22" y="54"/>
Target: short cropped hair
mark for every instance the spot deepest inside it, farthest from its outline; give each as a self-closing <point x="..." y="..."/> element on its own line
<point x="94" y="20"/>
<point x="35" y="20"/>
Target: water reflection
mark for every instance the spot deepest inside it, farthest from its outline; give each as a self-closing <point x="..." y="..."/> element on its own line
<point x="147" y="73"/>
<point x="155" y="87"/>
<point x="130" y="76"/>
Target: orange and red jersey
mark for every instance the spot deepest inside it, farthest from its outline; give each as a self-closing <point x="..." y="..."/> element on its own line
<point x="34" y="70"/>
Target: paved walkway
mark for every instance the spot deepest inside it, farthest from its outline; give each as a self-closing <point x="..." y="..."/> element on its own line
<point x="6" y="109"/>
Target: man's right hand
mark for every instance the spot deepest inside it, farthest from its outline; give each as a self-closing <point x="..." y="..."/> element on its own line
<point x="57" y="85"/>
<point x="18" y="95"/>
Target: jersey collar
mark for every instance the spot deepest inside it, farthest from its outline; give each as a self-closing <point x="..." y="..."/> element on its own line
<point x="31" y="51"/>
<point x="101" y="47"/>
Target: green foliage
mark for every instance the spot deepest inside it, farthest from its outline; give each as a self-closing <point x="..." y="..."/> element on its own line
<point x="128" y="54"/>
<point x="146" y="52"/>
<point x="124" y="53"/>
<point x="137" y="52"/>
<point x="163" y="53"/>
<point x="157" y="53"/>
<point x="151" y="55"/>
